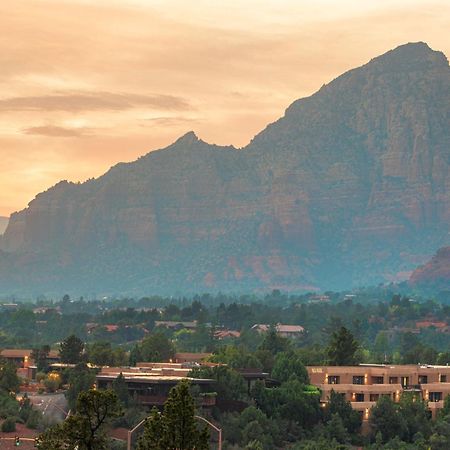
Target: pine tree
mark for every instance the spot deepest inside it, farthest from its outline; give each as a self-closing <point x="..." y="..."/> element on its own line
<point x="175" y="428"/>
<point x="342" y="348"/>
<point x="119" y="386"/>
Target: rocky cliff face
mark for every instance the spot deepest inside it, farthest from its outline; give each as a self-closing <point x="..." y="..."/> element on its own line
<point x="435" y="274"/>
<point x="3" y="224"/>
<point x="350" y="187"/>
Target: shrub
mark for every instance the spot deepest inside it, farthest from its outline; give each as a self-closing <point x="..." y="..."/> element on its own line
<point x="9" y="425"/>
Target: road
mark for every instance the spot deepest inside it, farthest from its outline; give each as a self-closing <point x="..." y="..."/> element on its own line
<point x="53" y="406"/>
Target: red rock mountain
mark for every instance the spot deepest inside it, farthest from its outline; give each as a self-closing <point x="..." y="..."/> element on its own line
<point x="351" y="186"/>
<point x="435" y="274"/>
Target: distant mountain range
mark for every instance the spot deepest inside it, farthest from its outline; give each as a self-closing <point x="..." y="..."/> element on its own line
<point x="350" y="187"/>
<point x="3" y="224"/>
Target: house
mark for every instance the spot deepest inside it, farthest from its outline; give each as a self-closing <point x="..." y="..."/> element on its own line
<point x="22" y="357"/>
<point x="150" y="383"/>
<point x="176" y="325"/>
<point x="363" y="385"/>
<point x="288" y="331"/>
<point x="226" y="334"/>
<point x="190" y="357"/>
<point x="431" y="324"/>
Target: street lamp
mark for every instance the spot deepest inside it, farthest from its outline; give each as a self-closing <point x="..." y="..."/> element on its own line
<point x="219" y="430"/>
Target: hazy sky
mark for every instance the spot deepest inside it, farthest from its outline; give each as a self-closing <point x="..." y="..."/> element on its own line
<point x="86" y="84"/>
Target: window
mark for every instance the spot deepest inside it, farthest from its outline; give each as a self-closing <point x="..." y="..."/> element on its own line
<point x="359" y="397"/>
<point x="377" y="380"/>
<point x="393" y="380"/>
<point x="358" y="379"/>
<point x="404" y="381"/>
<point x="334" y="379"/>
<point x="423" y="379"/>
<point x="435" y="396"/>
<point x="374" y="397"/>
<point x="443" y="378"/>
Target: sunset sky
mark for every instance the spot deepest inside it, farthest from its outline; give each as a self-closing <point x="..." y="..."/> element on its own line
<point x="86" y="84"/>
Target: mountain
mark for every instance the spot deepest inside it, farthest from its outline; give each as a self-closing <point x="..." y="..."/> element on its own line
<point x="349" y="187"/>
<point x="435" y="274"/>
<point x="3" y="224"/>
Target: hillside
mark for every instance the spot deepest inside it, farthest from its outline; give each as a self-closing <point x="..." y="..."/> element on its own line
<point x="349" y="187"/>
<point x="435" y="274"/>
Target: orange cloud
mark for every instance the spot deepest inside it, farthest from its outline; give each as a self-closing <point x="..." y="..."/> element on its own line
<point x="133" y="75"/>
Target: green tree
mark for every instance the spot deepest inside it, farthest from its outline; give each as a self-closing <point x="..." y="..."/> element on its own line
<point x="289" y="366"/>
<point x="230" y="385"/>
<point x="100" y="354"/>
<point x="81" y="379"/>
<point x="342" y="348"/>
<point x="71" y="350"/>
<point x="386" y="420"/>
<point x="337" y="404"/>
<point x="274" y="343"/>
<point x="9" y="381"/>
<point x="415" y="413"/>
<point x="176" y="429"/>
<point x="40" y="357"/>
<point x="119" y="386"/>
<point x="86" y="429"/>
<point x="156" y="347"/>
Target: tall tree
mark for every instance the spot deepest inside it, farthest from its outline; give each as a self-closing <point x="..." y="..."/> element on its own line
<point x="156" y="347"/>
<point x="86" y="429"/>
<point x="81" y="379"/>
<point x="40" y="357"/>
<point x="9" y="381"/>
<point x="176" y="428"/>
<point x="342" y="348"/>
<point x="119" y="386"/>
<point x="71" y="350"/>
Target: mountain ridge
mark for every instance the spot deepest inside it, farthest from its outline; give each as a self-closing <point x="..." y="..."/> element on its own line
<point x="351" y="179"/>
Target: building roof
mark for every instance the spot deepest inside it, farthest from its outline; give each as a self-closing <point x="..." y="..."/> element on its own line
<point x="281" y="328"/>
<point x="175" y="324"/>
<point x="191" y="357"/>
<point x="22" y="353"/>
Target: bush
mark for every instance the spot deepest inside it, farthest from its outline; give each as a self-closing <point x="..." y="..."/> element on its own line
<point x="9" y="425"/>
<point x="33" y="419"/>
<point x="40" y="376"/>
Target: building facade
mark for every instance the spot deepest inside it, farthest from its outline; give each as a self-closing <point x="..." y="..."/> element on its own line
<point x="363" y="385"/>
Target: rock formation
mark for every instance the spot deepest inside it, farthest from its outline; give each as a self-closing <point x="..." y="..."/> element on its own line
<point x="435" y="274"/>
<point x="349" y="187"/>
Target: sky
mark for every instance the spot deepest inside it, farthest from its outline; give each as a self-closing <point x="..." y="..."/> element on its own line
<point x="86" y="84"/>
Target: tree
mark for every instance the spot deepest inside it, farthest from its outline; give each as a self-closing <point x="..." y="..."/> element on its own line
<point x="274" y="343"/>
<point x="176" y="428"/>
<point x="289" y="366"/>
<point x="156" y="348"/>
<point x="386" y="420"/>
<point x="71" y="350"/>
<point x="119" y="386"/>
<point x="40" y="357"/>
<point x="338" y="405"/>
<point x="342" y="348"/>
<point x="86" y="429"/>
<point x="230" y="385"/>
<point x="9" y="381"/>
<point x="416" y="416"/>
<point x="80" y="379"/>
<point x="100" y="354"/>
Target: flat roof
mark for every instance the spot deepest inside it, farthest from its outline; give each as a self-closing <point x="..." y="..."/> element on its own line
<point x="154" y="379"/>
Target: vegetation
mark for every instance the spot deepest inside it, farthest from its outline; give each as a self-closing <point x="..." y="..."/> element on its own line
<point x="372" y="326"/>
<point x="86" y="429"/>
<point x="176" y="427"/>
